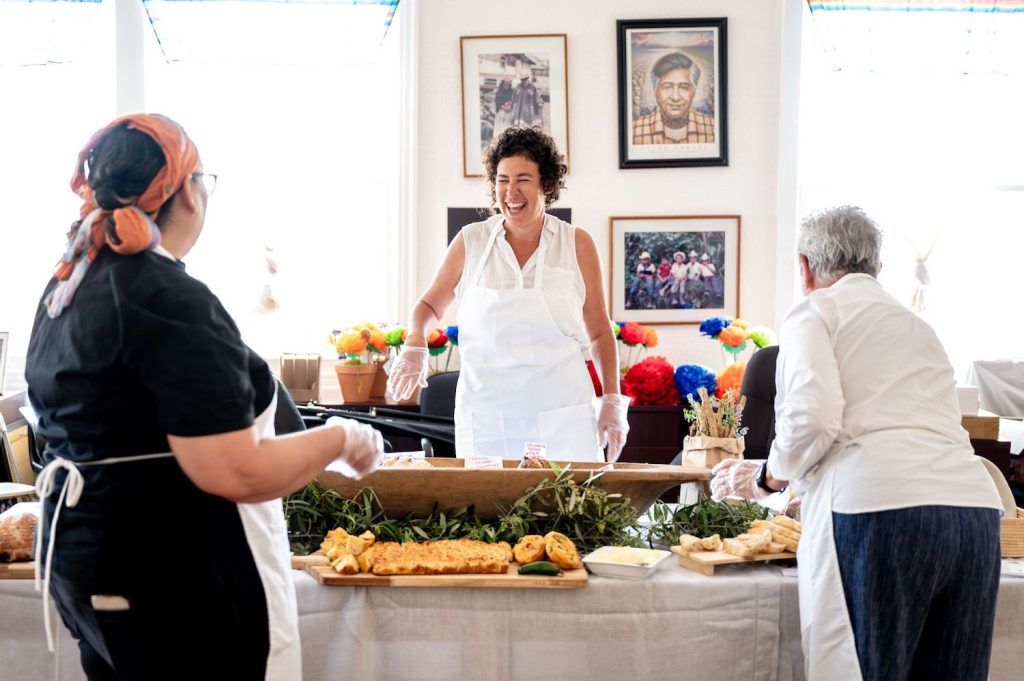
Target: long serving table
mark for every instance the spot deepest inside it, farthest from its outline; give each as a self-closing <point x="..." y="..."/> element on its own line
<point x="742" y="623"/>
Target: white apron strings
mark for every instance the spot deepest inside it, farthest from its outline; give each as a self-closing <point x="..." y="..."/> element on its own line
<point x="70" y="493"/>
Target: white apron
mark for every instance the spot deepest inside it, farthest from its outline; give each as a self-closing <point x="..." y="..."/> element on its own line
<point x="830" y="653"/>
<point x="266" y="534"/>
<point x="522" y="379"/>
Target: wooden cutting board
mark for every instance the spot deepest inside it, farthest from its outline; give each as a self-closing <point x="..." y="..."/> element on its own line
<point x="20" y="570"/>
<point x="705" y="562"/>
<point x="571" y="579"/>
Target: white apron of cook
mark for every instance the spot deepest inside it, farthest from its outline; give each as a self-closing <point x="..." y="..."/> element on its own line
<point x="522" y="379"/>
<point x="265" y="532"/>
<point x="830" y="653"/>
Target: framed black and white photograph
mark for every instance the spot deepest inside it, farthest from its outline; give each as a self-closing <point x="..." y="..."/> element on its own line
<point x="676" y="269"/>
<point x="672" y="93"/>
<point x="512" y="80"/>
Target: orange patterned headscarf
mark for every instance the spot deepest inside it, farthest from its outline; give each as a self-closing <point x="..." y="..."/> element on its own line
<point x="134" y="227"/>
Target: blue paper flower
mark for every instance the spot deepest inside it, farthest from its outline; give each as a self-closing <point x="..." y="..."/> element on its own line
<point x="712" y="326"/>
<point x="453" y="334"/>
<point x="690" y="377"/>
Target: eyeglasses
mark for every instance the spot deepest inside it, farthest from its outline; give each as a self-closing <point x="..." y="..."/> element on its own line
<point x="209" y="181"/>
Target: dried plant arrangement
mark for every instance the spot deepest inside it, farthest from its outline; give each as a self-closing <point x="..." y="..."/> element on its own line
<point x="712" y="417"/>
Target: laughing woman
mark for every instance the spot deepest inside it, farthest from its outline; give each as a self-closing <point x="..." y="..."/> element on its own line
<point x="531" y="309"/>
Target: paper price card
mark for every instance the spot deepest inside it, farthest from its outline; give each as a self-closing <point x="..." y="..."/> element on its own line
<point x="535" y="450"/>
<point x="483" y="462"/>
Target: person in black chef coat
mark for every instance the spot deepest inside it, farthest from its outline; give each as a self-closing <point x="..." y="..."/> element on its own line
<point x="164" y="545"/>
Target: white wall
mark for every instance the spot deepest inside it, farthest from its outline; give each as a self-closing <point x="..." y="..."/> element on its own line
<point x="597" y="188"/>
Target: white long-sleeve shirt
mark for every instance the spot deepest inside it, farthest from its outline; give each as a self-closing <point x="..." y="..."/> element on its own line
<point x="861" y="374"/>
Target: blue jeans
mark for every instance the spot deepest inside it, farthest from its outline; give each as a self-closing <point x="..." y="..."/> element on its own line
<point x="920" y="586"/>
<point x="647" y="283"/>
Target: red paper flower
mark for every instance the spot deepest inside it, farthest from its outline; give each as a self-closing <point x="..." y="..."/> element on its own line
<point x="437" y="339"/>
<point x="633" y="334"/>
<point x="651" y="381"/>
<point x="730" y="378"/>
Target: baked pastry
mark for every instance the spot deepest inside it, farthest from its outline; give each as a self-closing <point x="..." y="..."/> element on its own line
<point x="533" y="462"/>
<point x="688" y="543"/>
<point x="17" y="537"/>
<point x="448" y="556"/>
<point x="561" y="551"/>
<point x="529" y="549"/>
<point x="712" y="543"/>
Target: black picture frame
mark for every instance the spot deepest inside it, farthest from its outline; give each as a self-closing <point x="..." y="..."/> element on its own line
<point x="644" y="44"/>
<point x="460" y="217"/>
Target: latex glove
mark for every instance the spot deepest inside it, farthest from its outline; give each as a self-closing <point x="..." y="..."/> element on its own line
<point x="408" y="371"/>
<point x="612" y="424"/>
<point x="736" y="478"/>
<point x="364" y="447"/>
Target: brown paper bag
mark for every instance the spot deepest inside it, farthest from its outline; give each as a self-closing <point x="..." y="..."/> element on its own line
<point x="707" y="452"/>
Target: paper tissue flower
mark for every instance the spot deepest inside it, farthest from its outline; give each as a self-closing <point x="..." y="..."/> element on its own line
<point x="712" y="326"/>
<point x="730" y="378"/>
<point x="651" y="381"/>
<point x="733" y="339"/>
<point x="437" y="342"/>
<point x="652" y="337"/>
<point x="453" y="334"/>
<point x="633" y="334"/>
<point x="762" y="336"/>
<point x="395" y="336"/>
<point x="690" y="377"/>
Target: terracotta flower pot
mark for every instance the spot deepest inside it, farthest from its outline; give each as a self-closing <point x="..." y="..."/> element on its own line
<point x="380" y="381"/>
<point x="356" y="381"/>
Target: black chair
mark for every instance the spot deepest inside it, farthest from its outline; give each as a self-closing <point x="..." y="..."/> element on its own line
<point x="438" y="398"/>
<point x="759" y="413"/>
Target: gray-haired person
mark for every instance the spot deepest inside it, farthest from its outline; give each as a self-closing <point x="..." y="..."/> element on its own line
<point x="674" y="121"/>
<point x="899" y="558"/>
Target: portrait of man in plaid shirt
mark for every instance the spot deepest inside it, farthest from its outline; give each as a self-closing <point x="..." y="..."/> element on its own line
<point x="675" y="79"/>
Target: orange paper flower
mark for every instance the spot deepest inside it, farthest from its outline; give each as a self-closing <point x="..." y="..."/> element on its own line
<point x="652" y="337"/>
<point x="730" y="378"/>
<point x="733" y="336"/>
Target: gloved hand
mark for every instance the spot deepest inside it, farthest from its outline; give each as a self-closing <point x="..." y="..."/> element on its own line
<point x="408" y="370"/>
<point x="612" y="425"/>
<point x="736" y="478"/>
<point x="364" y="446"/>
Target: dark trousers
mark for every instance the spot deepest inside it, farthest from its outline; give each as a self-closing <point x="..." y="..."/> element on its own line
<point x="921" y="586"/>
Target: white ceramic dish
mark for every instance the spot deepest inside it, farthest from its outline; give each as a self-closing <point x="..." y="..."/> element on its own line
<point x="625" y="562"/>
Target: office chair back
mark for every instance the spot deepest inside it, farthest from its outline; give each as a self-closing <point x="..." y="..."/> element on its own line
<point x="438" y="398"/>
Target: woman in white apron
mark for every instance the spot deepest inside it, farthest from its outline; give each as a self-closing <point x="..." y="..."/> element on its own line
<point x="531" y="309"/>
<point x="899" y="557"/>
<point x="163" y="543"/>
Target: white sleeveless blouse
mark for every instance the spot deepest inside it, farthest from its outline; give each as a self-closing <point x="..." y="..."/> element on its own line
<point x="564" y="289"/>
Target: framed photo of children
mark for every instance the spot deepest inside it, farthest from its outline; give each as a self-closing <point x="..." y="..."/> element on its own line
<point x="672" y="93"/>
<point x="674" y="269"/>
<point x="512" y="80"/>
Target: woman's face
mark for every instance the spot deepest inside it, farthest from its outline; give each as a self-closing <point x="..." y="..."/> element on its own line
<point x="518" y="190"/>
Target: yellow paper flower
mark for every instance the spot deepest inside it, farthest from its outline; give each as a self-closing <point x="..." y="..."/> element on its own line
<point x="352" y="342"/>
<point x="745" y="325"/>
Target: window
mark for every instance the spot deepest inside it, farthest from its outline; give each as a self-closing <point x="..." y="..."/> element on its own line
<point x="301" y="235"/>
<point x="934" y="159"/>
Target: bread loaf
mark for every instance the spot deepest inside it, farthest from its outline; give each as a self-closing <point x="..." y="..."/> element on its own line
<point x="17" y="536"/>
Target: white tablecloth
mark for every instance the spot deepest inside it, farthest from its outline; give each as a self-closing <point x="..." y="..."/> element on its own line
<point x="1001" y="385"/>
<point x="743" y="623"/>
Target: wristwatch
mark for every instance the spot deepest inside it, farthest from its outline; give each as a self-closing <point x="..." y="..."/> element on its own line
<point x="762" y="479"/>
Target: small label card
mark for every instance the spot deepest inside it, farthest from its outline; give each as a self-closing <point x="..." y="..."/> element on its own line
<point x="535" y="450"/>
<point x="483" y="462"/>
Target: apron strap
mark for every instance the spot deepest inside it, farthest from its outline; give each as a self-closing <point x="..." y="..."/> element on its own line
<point x="70" y="493"/>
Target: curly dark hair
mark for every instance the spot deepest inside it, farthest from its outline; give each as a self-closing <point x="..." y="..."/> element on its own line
<point x="533" y="144"/>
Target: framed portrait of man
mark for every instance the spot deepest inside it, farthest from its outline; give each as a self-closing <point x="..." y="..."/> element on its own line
<point x="675" y="269"/>
<point x="512" y="80"/>
<point x="672" y="93"/>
